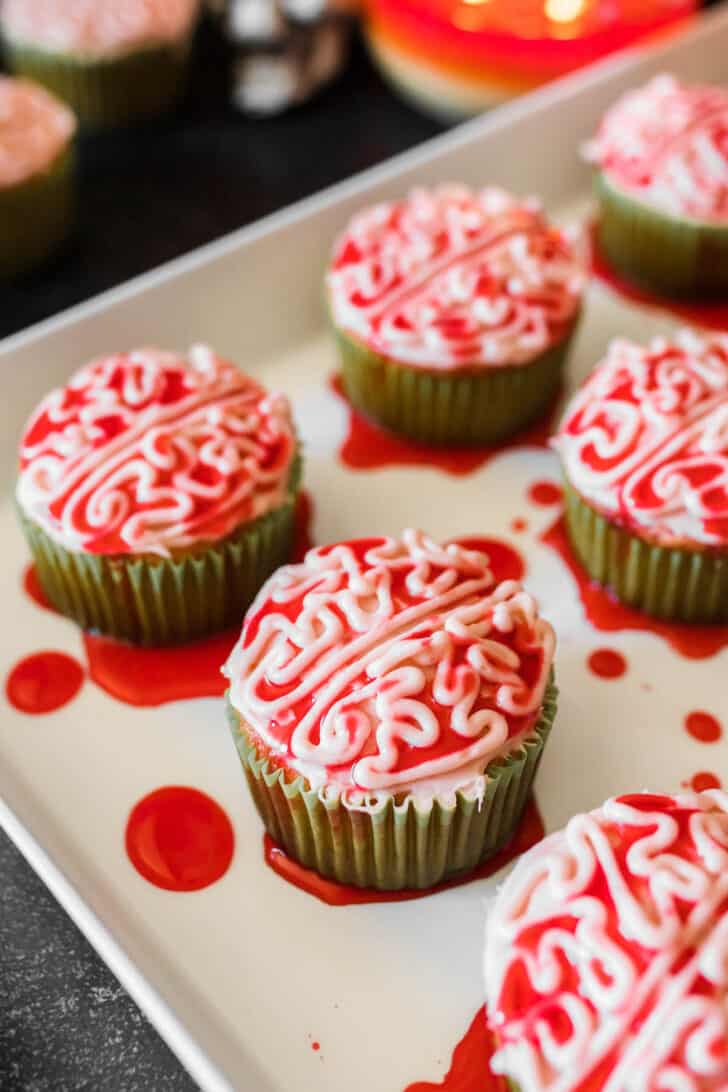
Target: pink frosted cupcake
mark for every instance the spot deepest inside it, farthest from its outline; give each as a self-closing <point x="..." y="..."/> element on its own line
<point x="661" y="160"/>
<point x="36" y="174"/>
<point x="112" y="60"/>
<point x="454" y="311"/>
<point x="606" y="958"/>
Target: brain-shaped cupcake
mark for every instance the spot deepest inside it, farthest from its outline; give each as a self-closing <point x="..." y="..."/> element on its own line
<point x="148" y="452"/>
<point x="667" y="144"/>
<point x="607" y="952"/>
<point x="382" y="664"/>
<point x="451" y="278"/>
<point x="645" y="441"/>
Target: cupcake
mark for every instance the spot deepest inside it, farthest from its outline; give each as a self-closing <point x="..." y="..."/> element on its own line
<point x="661" y="160"/>
<point x="606" y="954"/>
<point x="157" y="494"/>
<point x="644" y="448"/>
<point x="390" y="702"/>
<point x="453" y="312"/>
<point x="113" y="61"/>
<point x="37" y="189"/>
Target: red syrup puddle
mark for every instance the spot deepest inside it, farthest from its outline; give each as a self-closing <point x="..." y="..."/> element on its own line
<point x="505" y="561"/>
<point x="368" y="447"/>
<point x="545" y="493"/>
<point x="607" y="663"/>
<point x="152" y="676"/>
<point x="703" y="780"/>
<point x="703" y="727"/>
<point x="605" y="613"/>
<point x="470" y="1067"/>
<point x="315" y="1046"/>
<point x="44" y="682"/>
<point x="712" y="315"/>
<point x="530" y="831"/>
<point x="180" y="839"/>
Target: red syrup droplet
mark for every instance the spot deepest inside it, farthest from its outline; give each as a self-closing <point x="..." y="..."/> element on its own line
<point x="606" y="613"/>
<point x="519" y="525"/>
<point x="699" y="782"/>
<point x="470" y="1067"/>
<point x="712" y="315"/>
<point x="369" y="447"/>
<point x="505" y="561"/>
<point x="153" y="676"/>
<point x="545" y="493"/>
<point x="607" y="663"/>
<point x="530" y="831"/>
<point x="703" y="726"/>
<point x="315" y="1046"/>
<point x="179" y="838"/>
<point x="32" y="588"/>
<point x="302" y="541"/>
<point x="44" y="682"/>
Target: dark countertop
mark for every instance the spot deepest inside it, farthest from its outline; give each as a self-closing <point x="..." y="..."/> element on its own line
<point x="148" y="195"/>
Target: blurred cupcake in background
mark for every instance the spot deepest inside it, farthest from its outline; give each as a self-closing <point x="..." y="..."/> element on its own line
<point x="285" y="50"/>
<point x="37" y="193"/>
<point x="113" y="61"/>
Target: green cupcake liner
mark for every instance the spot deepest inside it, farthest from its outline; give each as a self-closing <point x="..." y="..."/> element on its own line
<point x="105" y="92"/>
<point x="468" y="408"/>
<point x="664" y="581"/>
<point x="395" y="843"/>
<point x="37" y="216"/>
<point x="164" y="601"/>
<point x="665" y="254"/>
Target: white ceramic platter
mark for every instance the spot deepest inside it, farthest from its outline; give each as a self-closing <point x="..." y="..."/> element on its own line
<point x="242" y="976"/>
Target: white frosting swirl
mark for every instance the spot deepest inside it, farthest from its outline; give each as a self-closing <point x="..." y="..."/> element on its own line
<point x="606" y="956"/>
<point x="450" y="279"/>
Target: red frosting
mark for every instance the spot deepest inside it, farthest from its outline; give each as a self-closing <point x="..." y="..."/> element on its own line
<point x="146" y="452"/>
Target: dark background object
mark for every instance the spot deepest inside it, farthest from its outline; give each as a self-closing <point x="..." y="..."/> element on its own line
<point x="147" y="195"/>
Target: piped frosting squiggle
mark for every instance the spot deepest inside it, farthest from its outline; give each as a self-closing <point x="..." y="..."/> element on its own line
<point x="667" y="144"/>
<point x="378" y="663"/>
<point x="147" y="452"/>
<point x="607" y="952"/>
<point x="645" y="440"/>
<point x="450" y="278"/>
<point x="96" y="26"/>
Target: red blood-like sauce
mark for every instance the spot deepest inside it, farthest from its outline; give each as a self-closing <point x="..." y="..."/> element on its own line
<point x="519" y="525"/>
<point x="545" y="493"/>
<point x="153" y="676"/>
<point x="703" y="726"/>
<point x="470" y="1067"/>
<point x="179" y="838"/>
<point x="368" y="447"/>
<point x="711" y="315"/>
<point x="530" y="831"/>
<point x="704" y="780"/>
<point x="607" y="614"/>
<point x="607" y="663"/>
<point x="315" y="1046"/>
<point x="44" y="682"/>
<point x="506" y="563"/>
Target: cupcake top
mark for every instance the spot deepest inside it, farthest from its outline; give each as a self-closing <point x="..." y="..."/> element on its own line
<point x="147" y="452"/>
<point x="449" y="279"/>
<point x="645" y="440"/>
<point x="667" y="145"/>
<point x="96" y="26"/>
<point x="34" y="129"/>
<point x="606" y="954"/>
<point x="390" y="665"/>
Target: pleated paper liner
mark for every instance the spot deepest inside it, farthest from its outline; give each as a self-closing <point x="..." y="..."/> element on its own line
<point x="105" y="92"/>
<point x="668" y="255"/>
<point x="394" y="843"/>
<point x="468" y="408"/>
<point x="37" y="216"/>
<point x="163" y="601"/>
<point x="664" y="581"/>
